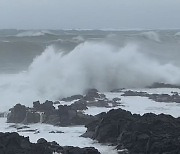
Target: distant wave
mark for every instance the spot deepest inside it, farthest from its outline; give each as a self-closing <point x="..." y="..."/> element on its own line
<point x="151" y="35"/>
<point x="33" y="33"/>
<point x="177" y="34"/>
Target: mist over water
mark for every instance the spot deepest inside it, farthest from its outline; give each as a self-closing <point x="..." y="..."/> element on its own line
<point x="100" y="64"/>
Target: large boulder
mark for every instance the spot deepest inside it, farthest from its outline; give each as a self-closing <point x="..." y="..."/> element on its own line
<point x="21" y="114"/>
<point x="17" y="114"/>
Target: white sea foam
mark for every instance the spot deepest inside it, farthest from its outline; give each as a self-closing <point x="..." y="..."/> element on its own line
<point x="90" y="65"/>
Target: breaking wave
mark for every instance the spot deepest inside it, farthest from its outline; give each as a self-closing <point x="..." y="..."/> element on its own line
<point x="54" y="75"/>
<point x="151" y="35"/>
<point x="33" y="33"/>
<point x="177" y="34"/>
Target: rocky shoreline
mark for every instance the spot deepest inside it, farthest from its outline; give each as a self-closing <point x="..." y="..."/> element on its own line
<point x="13" y="143"/>
<point x="130" y="133"/>
<point x="135" y="134"/>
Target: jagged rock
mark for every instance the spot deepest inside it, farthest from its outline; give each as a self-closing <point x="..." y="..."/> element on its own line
<point x="21" y="114"/>
<point x="77" y="150"/>
<point x="31" y="117"/>
<point x="56" y="132"/>
<point x="99" y="103"/>
<point x="47" y="106"/>
<point x="135" y="93"/>
<point x="69" y="116"/>
<point x="155" y="97"/>
<point x="117" y="90"/>
<point x="22" y="127"/>
<point x="17" y="114"/>
<point x="63" y="116"/>
<point x="149" y="133"/>
<point x="13" y="143"/>
<point x="91" y="95"/>
<point x="79" y="105"/>
<point x="163" y="85"/>
<point x="72" y="98"/>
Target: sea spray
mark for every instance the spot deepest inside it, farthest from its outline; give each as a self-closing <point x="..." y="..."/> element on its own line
<point x="54" y="75"/>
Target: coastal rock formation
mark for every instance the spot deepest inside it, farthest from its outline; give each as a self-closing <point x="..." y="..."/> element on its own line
<point x="163" y="85"/>
<point x="175" y="97"/>
<point x="13" y="143"/>
<point x="150" y="133"/>
<point x="46" y="113"/>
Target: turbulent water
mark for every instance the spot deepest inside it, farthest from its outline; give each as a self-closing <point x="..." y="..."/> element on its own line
<point x="51" y="64"/>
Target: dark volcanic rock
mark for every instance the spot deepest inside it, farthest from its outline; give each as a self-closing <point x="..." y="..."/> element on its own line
<point x="163" y="85"/>
<point x="72" y="98"/>
<point x="22" y="114"/>
<point x="117" y="90"/>
<point x="70" y="116"/>
<point x="155" y="97"/>
<point x="150" y="133"/>
<point x="46" y="113"/>
<point x="79" y="105"/>
<point x="18" y="114"/>
<point x="12" y="143"/>
<point x="91" y="95"/>
<point x="31" y="117"/>
<point x="135" y="93"/>
<point x="99" y="103"/>
<point x="47" y="106"/>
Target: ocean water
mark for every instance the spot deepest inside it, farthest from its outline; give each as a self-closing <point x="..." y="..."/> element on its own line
<point x="51" y="64"/>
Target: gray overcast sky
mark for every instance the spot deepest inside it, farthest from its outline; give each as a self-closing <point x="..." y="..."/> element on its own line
<point x="89" y="14"/>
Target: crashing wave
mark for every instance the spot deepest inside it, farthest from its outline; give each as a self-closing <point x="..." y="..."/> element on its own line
<point x="90" y="65"/>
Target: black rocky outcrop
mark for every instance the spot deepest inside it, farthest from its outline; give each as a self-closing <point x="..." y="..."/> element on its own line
<point x="72" y="98"/>
<point x="174" y="97"/>
<point x="147" y="134"/>
<point x="13" y="143"/>
<point x="163" y="85"/>
<point x="46" y="113"/>
<point x="17" y="114"/>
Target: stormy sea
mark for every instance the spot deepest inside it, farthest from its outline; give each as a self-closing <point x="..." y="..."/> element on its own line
<point x="133" y="72"/>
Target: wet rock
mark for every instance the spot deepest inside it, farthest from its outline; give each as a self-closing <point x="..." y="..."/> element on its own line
<point x="163" y="85"/>
<point x="47" y="106"/>
<point x="91" y="95"/>
<point x="149" y="133"/>
<point x="79" y="105"/>
<point x="31" y="117"/>
<point x="72" y="98"/>
<point x="53" y="132"/>
<point x="17" y="114"/>
<point x="155" y="97"/>
<point x="22" y="127"/>
<point x="135" y="93"/>
<point x="99" y="103"/>
<point x="117" y="90"/>
<point x="13" y="143"/>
